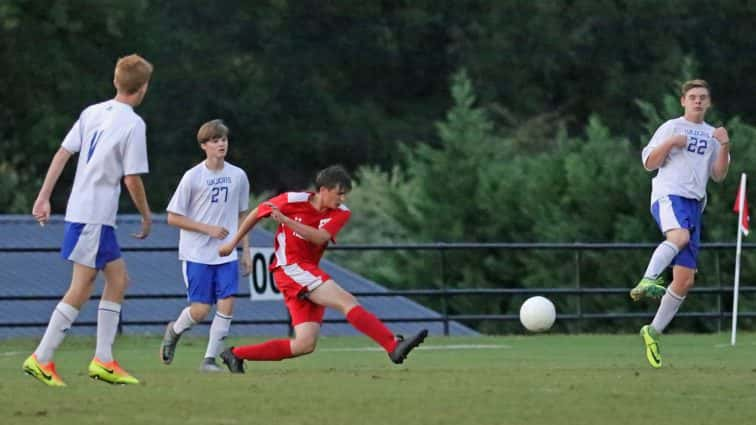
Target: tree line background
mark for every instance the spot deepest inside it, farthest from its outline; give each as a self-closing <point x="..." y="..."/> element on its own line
<point x="461" y="120"/>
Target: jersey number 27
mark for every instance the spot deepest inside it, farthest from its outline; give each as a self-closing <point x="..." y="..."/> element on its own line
<point x="215" y="194"/>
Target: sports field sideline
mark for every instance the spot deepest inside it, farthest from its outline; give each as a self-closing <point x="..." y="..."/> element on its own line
<point x="536" y="379"/>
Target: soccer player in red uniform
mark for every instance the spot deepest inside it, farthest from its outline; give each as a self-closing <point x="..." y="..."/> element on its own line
<point x="307" y="222"/>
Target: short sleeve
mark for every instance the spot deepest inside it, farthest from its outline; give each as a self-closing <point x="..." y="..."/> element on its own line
<point x="182" y="197"/>
<point x="73" y="140"/>
<point x="263" y="210"/>
<point x="664" y="132"/>
<point x="336" y="222"/>
<point x="244" y="193"/>
<point x="135" y="151"/>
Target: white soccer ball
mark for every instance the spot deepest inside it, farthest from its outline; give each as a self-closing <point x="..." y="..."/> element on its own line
<point x="537" y="314"/>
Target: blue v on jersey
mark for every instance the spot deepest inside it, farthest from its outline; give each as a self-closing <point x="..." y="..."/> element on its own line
<point x="110" y="138"/>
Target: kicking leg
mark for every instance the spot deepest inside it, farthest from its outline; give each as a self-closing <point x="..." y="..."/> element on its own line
<point x="330" y="294"/>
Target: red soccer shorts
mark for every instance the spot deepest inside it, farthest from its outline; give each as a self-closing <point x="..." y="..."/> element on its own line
<point x="295" y="281"/>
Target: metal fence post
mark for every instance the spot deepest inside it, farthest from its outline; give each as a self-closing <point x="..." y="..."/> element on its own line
<point x="720" y="301"/>
<point x="444" y="301"/>
<point x="578" y="255"/>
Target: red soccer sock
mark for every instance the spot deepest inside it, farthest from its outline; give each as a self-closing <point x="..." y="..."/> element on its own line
<point x="365" y="322"/>
<point x="275" y="349"/>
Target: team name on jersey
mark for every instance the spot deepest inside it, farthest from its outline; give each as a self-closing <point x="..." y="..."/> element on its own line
<point x="696" y="133"/>
<point x="219" y="180"/>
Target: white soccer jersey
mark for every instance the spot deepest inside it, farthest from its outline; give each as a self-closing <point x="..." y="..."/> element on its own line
<point x="685" y="172"/>
<point x="210" y="197"/>
<point x="111" y="141"/>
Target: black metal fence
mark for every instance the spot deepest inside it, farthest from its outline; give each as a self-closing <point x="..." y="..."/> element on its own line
<point x="445" y="294"/>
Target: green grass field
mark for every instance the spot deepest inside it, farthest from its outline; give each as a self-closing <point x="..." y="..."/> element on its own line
<point x="541" y="379"/>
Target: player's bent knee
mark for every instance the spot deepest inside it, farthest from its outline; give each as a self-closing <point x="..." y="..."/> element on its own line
<point x="304" y="346"/>
<point x="680" y="242"/>
<point x="225" y="306"/>
<point x="199" y="311"/>
<point x="679" y="238"/>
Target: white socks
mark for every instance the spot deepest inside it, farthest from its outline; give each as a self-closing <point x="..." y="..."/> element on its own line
<point x="218" y="332"/>
<point x="108" y="315"/>
<point x="668" y="307"/>
<point x="183" y="322"/>
<point x="661" y="259"/>
<point x="61" y="320"/>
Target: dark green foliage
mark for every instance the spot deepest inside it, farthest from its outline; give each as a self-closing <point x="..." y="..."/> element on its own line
<point x="481" y="185"/>
<point x="306" y="84"/>
<point x="545" y="148"/>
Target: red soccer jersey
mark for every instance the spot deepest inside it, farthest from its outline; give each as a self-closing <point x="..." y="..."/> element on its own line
<point x="290" y="247"/>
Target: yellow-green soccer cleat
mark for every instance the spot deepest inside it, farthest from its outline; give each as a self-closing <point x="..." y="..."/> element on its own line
<point x="651" y="341"/>
<point x="110" y="372"/>
<point x="647" y="287"/>
<point x="44" y="373"/>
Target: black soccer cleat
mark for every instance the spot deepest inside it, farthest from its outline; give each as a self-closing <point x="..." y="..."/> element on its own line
<point x="404" y="346"/>
<point x="168" y="345"/>
<point x="234" y="364"/>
